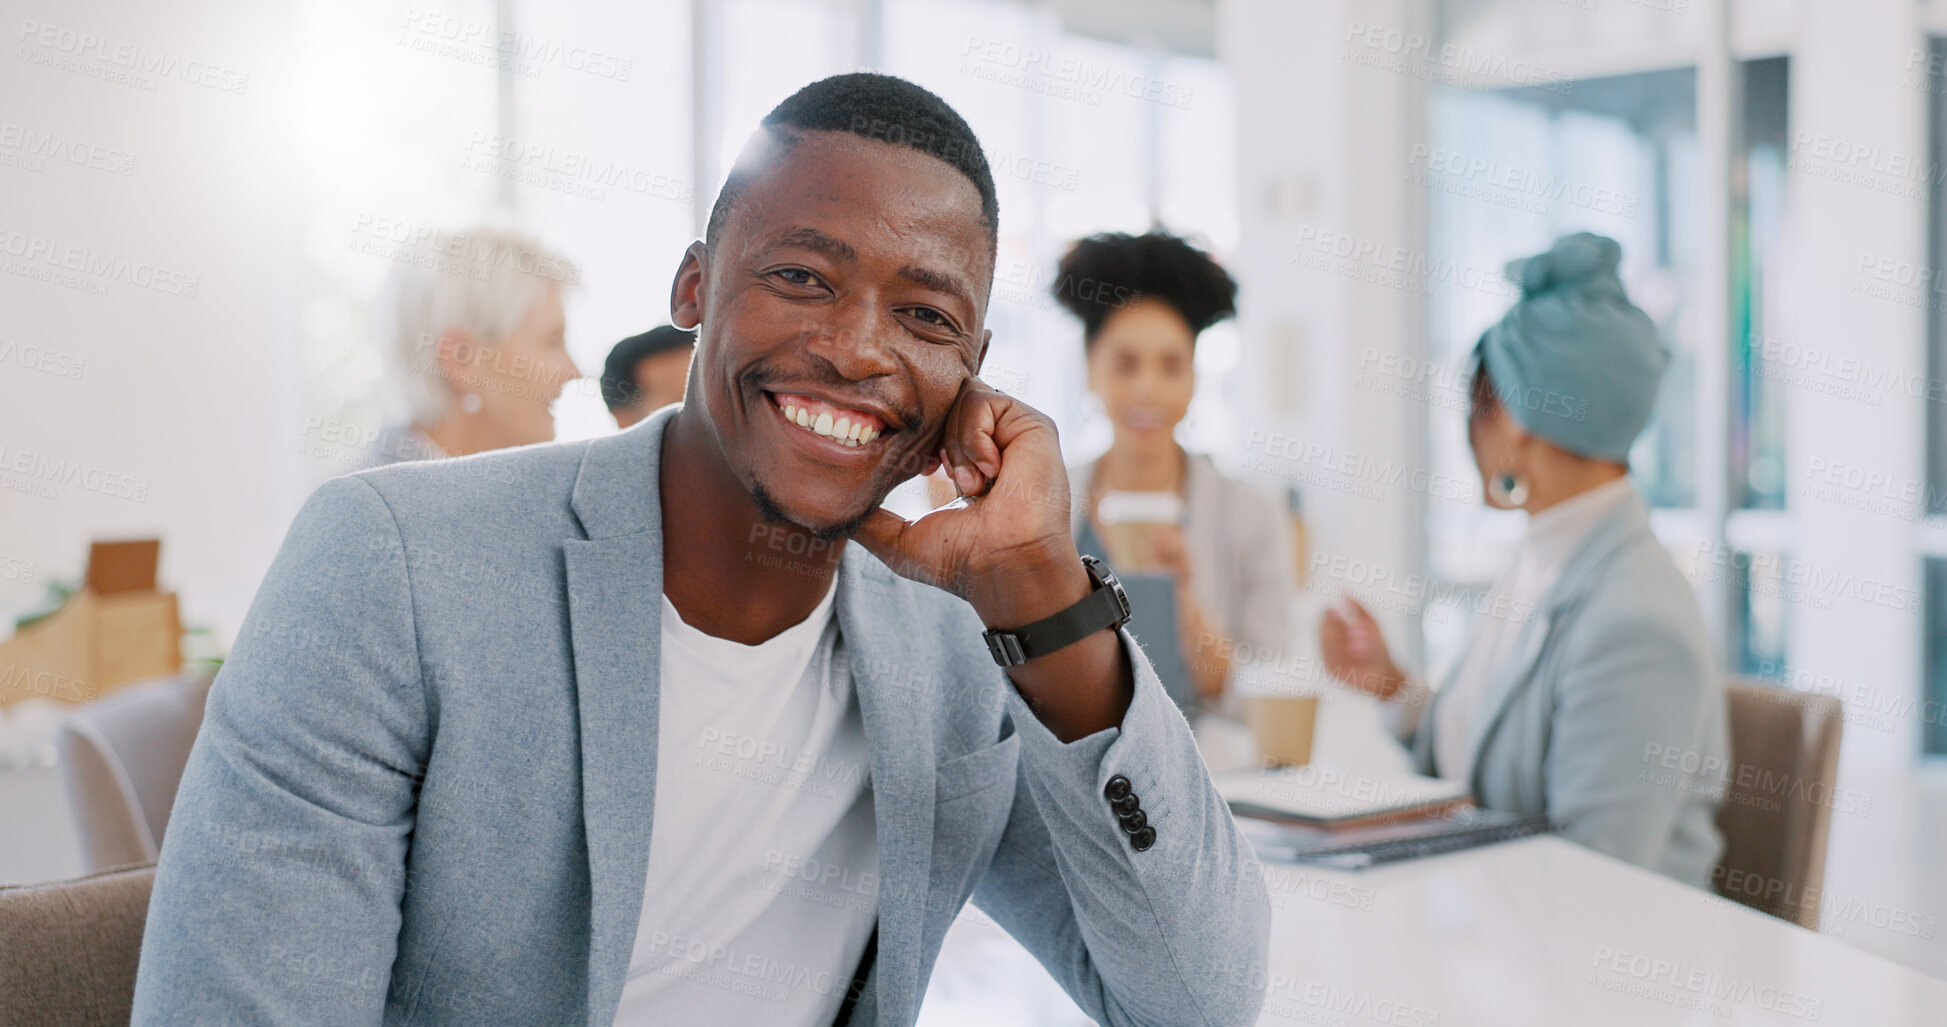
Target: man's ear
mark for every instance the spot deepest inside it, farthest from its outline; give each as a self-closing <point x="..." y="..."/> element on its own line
<point x="686" y="293"/>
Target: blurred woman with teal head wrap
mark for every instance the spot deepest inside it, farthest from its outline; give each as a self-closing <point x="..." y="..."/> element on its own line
<point x="1588" y="657"/>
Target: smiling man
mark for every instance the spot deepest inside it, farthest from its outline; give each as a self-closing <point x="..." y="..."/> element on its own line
<point x="679" y="726"/>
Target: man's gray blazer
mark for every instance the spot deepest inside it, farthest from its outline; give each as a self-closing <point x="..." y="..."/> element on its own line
<point x="424" y="790"/>
<point x="1609" y="716"/>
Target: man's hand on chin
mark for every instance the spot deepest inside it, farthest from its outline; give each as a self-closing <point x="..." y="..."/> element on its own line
<point x="1007" y="549"/>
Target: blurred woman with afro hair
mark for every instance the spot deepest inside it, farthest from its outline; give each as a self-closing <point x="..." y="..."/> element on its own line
<point x="1142" y="301"/>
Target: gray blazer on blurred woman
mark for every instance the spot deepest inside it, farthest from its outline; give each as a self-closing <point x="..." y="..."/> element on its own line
<point x="1611" y="672"/>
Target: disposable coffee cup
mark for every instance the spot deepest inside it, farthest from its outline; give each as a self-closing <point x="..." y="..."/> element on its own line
<point x="1129" y="519"/>
<point x="1282" y="727"/>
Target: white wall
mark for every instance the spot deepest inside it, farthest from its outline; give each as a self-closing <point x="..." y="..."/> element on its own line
<point x="1325" y="144"/>
<point x="188" y="401"/>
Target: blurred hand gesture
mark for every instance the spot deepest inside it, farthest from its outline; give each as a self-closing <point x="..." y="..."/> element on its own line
<point x="1355" y="650"/>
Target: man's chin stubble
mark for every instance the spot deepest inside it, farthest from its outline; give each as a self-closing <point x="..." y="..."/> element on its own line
<point x="773" y="513"/>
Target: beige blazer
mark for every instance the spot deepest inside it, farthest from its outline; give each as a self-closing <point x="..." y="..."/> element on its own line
<point x="1239" y="541"/>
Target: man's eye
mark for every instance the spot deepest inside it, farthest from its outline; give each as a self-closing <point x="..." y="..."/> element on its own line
<point x="931" y="316"/>
<point x="796" y="276"/>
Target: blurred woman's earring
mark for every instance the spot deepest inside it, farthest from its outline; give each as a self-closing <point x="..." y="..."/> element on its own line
<point x="470" y="403"/>
<point x="1509" y="490"/>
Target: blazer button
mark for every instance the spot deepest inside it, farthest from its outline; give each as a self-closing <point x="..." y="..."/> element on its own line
<point x="1126" y="805"/>
<point x="1143" y="839"/>
<point x="1118" y="787"/>
<point x="1133" y="822"/>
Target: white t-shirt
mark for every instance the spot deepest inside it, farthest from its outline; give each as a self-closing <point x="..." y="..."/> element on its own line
<point x="763" y="860"/>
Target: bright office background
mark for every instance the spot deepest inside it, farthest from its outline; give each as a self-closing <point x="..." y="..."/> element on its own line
<point x="1771" y="167"/>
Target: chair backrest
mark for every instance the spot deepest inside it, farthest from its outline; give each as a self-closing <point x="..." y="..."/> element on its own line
<point x="68" y="949"/>
<point x="1778" y="799"/>
<point x="123" y="759"/>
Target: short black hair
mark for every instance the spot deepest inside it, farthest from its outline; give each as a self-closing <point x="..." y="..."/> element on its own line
<point x="1104" y="273"/>
<point x="871" y="106"/>
<point x="619" y="388"/>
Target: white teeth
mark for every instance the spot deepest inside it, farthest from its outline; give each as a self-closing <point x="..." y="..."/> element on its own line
<point x="843" y="430"/>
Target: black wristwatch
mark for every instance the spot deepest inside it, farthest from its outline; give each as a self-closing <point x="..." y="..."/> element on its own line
<point x="1106" y="607"/>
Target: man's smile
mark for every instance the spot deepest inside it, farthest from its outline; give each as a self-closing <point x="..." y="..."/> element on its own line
<point x="842" y="424"/>
<point x="831" y="431"/>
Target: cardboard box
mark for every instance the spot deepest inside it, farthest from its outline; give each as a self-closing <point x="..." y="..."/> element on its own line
<point x="116" y="631"/>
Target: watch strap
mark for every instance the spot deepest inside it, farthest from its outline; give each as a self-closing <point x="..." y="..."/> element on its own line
<point x="1105" y="607"/>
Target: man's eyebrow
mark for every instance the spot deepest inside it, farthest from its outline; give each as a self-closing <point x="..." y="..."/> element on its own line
<point x="939" y="281"/>
<point x="813" y="239"/>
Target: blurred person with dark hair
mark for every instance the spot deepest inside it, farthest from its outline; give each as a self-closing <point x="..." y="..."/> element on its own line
<point x="630" y="732"/>
<point x="646" y="372"/>
<point x="1590" y="648"/>
<point x="474" y="336"/>
<point x="1142" y="301"/>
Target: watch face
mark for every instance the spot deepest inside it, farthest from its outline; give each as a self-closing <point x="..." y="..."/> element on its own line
<point x="1105" y="578"/>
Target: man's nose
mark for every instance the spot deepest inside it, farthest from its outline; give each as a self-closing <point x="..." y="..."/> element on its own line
<point x="855" y="340"/>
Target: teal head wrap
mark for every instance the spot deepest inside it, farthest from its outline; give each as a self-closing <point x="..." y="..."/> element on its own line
<point x="1574" y="361"/>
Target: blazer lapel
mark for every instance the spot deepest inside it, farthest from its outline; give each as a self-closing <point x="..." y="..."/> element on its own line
<point x="895" y="696"/>
<point x="1501" y="689"/>
<point x="614" y="579"/>
<point x="1604" y="539"/>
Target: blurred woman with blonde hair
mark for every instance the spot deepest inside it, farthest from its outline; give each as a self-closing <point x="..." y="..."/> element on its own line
<point x="474" y="336"/>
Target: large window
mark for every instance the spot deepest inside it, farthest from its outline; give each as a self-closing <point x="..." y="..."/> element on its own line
<point x="1934" y="542"/>
<point x="1757" y="453"/>
<point x="1760" y="594"/>
<point x="1933" y="721"/>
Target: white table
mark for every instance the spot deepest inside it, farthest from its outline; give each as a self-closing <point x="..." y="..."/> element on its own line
<point x="1544" y="932"/>
<point x="1536" y="932"/>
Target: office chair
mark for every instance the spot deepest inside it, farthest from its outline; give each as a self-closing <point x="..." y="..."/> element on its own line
<point x="1778" y="799"/>
<point x="68" y="949"/>
<point x="123" y="759"/>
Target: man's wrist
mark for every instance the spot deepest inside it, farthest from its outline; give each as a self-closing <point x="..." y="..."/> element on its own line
<point x="1035" y="584"/>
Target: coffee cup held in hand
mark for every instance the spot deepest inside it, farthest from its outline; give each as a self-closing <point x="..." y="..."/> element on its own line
<point x="1129" y="521"/>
